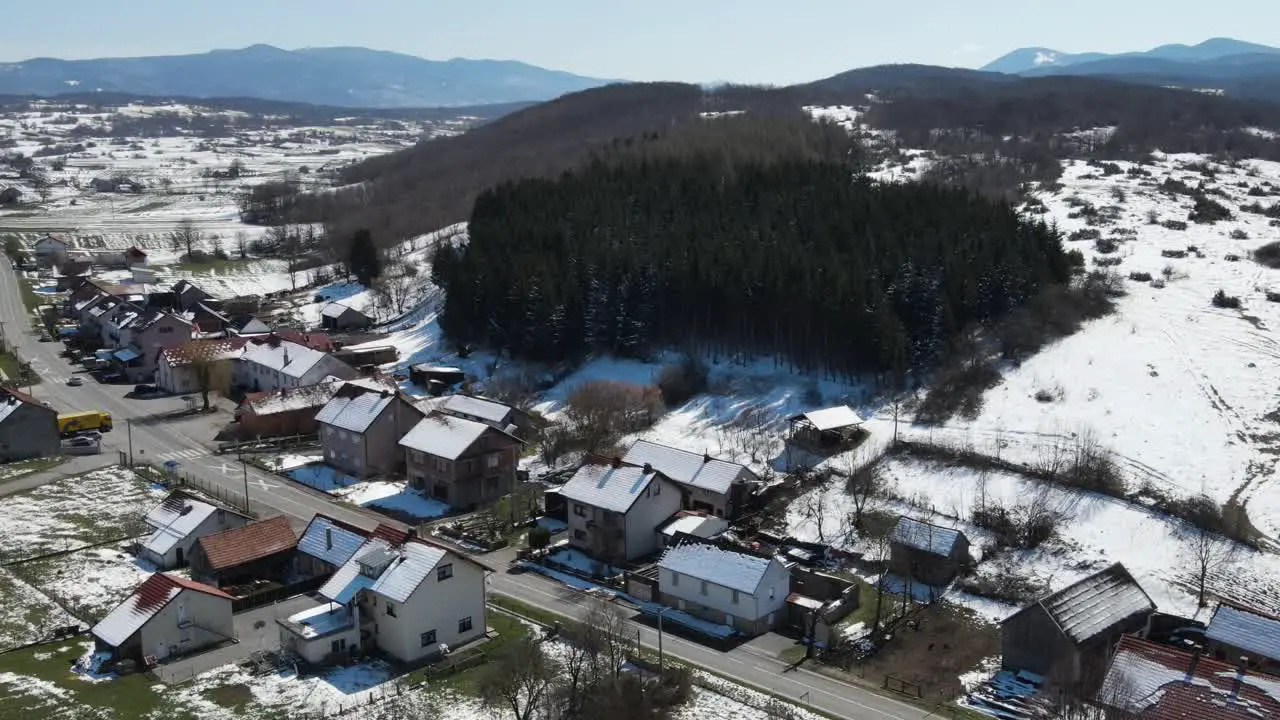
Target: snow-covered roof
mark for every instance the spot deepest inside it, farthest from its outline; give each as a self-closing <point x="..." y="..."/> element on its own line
<point x="1096" y="604"/>
<point x="1161" y="682"/>
<point x="11" y="400"/>
<point x="608" y="487"/>
<point x="932" y="539"/>
<point x="726" y="568"/>
<point x="396" y="572"/>
<point x="445" y="436"/>
<point x="289" y="358"/>
<point x="1255" y="633"/>
<point x="290" y="399"/>
<point x="174" y="519"/>
<point x="831" y="418"/>
<point x="146" y="601"/>
<point x="326" y="540"/>
<point x="689" y="468"/>
<point x="703" y="526"/>
<point x="337" y="310"/>
<point x="355" y="414"/>
<point x="487" y="410"/>
<point x="212" y="349"/>
<point x="320" y="620"/>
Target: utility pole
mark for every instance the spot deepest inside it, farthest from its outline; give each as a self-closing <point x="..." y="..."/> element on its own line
<point x="244" y="466"/>
<point x="660" y="638"/>
<point x="128" y="423"/>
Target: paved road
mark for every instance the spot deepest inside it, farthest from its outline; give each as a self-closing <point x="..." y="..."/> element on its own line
<point x="748" y="664"/>
<point x="187" y="441"/>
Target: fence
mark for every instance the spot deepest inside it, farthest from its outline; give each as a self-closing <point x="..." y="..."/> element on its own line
<point x="179" y="479"/>
<point x="901" y="686"/>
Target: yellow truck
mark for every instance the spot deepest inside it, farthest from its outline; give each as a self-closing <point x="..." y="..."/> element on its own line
<point x="74" y="422"/>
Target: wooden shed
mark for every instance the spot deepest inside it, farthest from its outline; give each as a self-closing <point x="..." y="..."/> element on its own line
<point x="831" y="428"/>
<point x="927" y="553"/>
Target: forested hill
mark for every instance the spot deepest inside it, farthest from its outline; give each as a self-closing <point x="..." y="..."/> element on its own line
<point x="787" y="256"/>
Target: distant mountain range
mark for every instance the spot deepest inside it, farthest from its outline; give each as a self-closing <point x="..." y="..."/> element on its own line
<point x="338" y="76"/>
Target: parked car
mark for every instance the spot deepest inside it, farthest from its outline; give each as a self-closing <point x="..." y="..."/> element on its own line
<point x="83" y="441"/>
<point x="75" y="381"/>
<point x="145" y="390"/>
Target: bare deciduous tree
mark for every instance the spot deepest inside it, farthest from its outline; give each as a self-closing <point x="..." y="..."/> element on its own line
<point x="185" y="236"/>
<point x="1206" y="551"/>
<point x="864" y="483"/>
<point x="520" y="680"/>
<point x="813" y="507"/>
<point x="242" y="244"/>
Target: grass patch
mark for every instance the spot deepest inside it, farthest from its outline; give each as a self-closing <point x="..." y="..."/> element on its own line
<point x="236" y="697"/>
<point x="147" y="207"/>
<point x="212" y="266"/>
<point x="536" y="614"/>
<point x="22" y="468"/>
<point x="129" y="696"/>
<point x="30" y="297"/>
<point x="467" y="681"/>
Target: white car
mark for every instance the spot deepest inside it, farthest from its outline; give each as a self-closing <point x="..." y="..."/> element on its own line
<point x="75" y="381"/>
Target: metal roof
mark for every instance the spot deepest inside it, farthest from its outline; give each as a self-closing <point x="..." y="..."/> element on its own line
<point x="354" y="413"/>
<point x="734" y="570"/>
<point x="326" y="540"/>
<point x="831" y="418"/>
<point x="400" y="571"/>
<point x="932" y="539"/>
<point x="235" y="547"/>
<point x="608" y="487"/>
<point x="1097" y="603"/>
<point x="336" y="310"/>
<point x="444" y="435"/>
<point x="488" y="410"/>
<point x="407" y="572"/>
<point x="127" y="354"/>
<point x="147" y="600"/>
<point x="1255" y="633"/>
<point x="289" y="358"/>
<point x="703" y="526"/>
<point x="688" y="468"/>
<point x="174" y="519"/>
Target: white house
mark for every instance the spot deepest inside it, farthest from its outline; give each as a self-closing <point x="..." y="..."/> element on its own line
<point x="714" y="486"/>
<point x="51" y="250"/>
<point x="746" y="592"/>
<point x="175" y="368"/>
<point x="615" y="510"/>
<point x="166" y="616"/>
<point x="177" y="523"/>
<point x="406" y="600"/>
<point x="277" y="363"/>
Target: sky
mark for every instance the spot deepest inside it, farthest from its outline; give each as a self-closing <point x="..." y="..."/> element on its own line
<point x="757" y="41"/>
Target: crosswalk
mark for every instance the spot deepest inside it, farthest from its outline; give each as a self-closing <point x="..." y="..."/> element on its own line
<point x="182" y="455"/>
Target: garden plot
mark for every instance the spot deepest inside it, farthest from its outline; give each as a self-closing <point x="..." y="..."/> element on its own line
<point x="101" y="505"/>
<point x="88" y="582"/>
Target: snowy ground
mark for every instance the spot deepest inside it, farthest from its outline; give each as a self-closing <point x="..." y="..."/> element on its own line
<point x="383" y="495"/>
<point x="88" y="582"/>
<point x="73" y="512"/>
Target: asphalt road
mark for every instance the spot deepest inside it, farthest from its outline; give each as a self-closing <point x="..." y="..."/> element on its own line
<point x="189" y="441"/>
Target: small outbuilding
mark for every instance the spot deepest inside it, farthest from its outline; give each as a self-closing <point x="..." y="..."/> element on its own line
<point x="1067" y="636"/>
<point x="831" y="428"/>
<point x="336" y="316"/>
<point x="179" y="522"/>
<point x="1236" y="632"/>
<point x="927" y="553"/>
<point x="258" y="551"/>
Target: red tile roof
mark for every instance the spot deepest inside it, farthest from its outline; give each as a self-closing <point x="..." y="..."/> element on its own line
<point x="313" y="340"/>
<point x="1159" y="682"/>
<point x="390" y="534"/>
<point x="235" y="547"/>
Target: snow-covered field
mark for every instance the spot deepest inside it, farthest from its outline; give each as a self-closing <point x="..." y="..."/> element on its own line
<point x="90" y="582"/>
<point x="396" y="497"/>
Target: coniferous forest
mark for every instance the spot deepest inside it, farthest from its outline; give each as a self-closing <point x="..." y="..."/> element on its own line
<point x="795" y="258"/>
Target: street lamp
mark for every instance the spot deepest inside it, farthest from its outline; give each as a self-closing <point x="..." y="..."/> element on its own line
<point x="660" y="612"/>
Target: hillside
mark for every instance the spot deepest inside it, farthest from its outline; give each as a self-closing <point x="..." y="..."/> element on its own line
<point x="345" y="77"/>
<point x="1024" y="60"/>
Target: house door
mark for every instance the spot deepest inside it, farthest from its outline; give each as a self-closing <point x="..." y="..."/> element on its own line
<point x="182" y="613"/>
<point x="179" y="557"/>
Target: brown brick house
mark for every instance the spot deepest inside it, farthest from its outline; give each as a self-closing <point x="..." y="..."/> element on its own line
<point x="460" y="462"/>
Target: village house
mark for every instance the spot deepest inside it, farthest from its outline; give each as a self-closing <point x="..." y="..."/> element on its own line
<point x="337" y="317"/>
<point x="261" y="550"/>
<point x="51" y="250"/>
<point x="273" y="363"/>
<point x="286" y="411"/>
<point x="410" y="601"/>
<point x="1237" y="633"/>
<point x="926" y="553"/>
<point x="246" y="325"/>
<point x="150" y="333"/>
<point x="360" y="430"/>
<point x="179" y="369"/>
<point x="828" y="429"/>
<point x="135" y="257"/>
<point x="461" y="463"/>
<point x="713" y="486"/>
<point x="326" y="545"/>
<point x="615" y="510"/>
<point x="178" y="523"/>
<point x="743" y="591"/>
<point x="435" y="379"/>
<point x="208" y="319"/>
<point x="490" y="412"/>
<point x="314" y="340"/>
<point x="1068" y="635"/>
<point x="166" y="616"/>
<point x="188" y="295"/>
<point x="28" y="429"/>
<point x="1158" y="682"/>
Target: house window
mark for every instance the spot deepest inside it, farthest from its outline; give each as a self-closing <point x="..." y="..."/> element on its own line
<point x="657" y="489"/>
<point x="735" y="597"/>
<point x="491" y="461"/>
<point x="391" y="609"/>
<point x="428" y="638"/>
<point x="444" y="572"/>
<point x="771" y="589"/>
<point x="704" y="587"/>
<point x="579" y="535"/>
<point x="464" y="624"/>
<point x="164" y="329"/>
<point x="579" y="510"/>
<point x="338" y="645"/>
<point x="675" y="578"/>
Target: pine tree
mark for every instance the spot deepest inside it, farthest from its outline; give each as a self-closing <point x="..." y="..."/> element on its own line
<point x="363" y="258"/>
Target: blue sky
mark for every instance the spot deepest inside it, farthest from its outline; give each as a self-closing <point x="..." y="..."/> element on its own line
<point x="771" y="41"/>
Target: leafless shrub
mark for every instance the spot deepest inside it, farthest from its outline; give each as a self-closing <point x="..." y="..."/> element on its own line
<point x="603" y="410"/>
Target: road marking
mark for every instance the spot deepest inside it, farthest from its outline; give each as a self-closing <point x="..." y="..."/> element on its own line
<point x="183" y="455"/>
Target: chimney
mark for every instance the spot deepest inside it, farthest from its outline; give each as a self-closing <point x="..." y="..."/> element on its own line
<point x="1191" y="667"/>
<point x="412" y="532"/>
<point x="328" y="538"/>
<point x="1239" y="678"/>
<point x="286" y="355"/>
<point x="648" y="468"/>
<point x="706" y="456"/>
<point x="617" y="461"/>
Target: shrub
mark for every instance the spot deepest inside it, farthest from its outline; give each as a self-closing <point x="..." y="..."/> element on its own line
<point x="1140" y="276"/>
<point x="1107" y="245"/>
<point x="603" y="410"/>
<point x="1273" y="296"/>
<point x="1075" y="259"/>
<point x="1223" y="300"/>
<point x="1118" y="194"/>
<point x="1085" y="234"/>
<point x="1257" y="191"/>
<point x="958" y="388"/>
<point x="1268" y="255"/>
<point x="1238" y="234"/>
<point x="539" y="537"/>
<point x="1173" y="254"/>
<point x="1108" y="261"/>
<point x="1048" y="395"/>
<point x="1174" y="224"/>
<point x="1208" y="211"/>
<point x="1153" y="218"/>
<point x="678" y="382"/>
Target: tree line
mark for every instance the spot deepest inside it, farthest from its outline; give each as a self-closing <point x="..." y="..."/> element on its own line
<point x="790" y="257"/>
